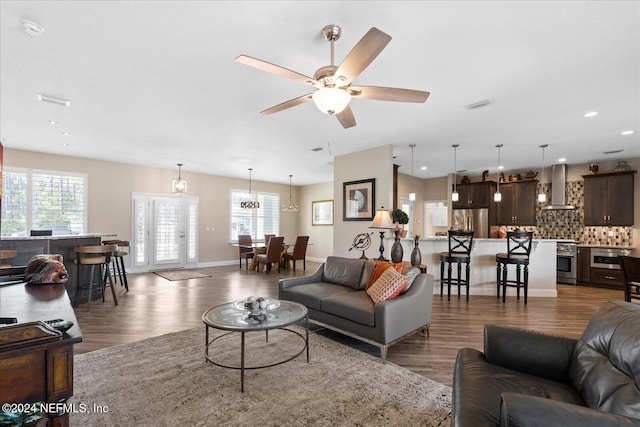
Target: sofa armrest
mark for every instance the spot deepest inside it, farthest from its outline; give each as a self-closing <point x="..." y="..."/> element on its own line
<point x="407" y="312"/>
<point x="315" y="277"/>
<point x="524" y="410"/>
<point x="530" y="352"/>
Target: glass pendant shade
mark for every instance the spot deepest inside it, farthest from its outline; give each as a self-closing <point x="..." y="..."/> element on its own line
<point x="331" y="100"/>
<point x="455" y="196"/>
<point x="542" y="197"/>
<point x="179" y="186"/>
<point x="412" y="196"/>
<point x="497" y="196"/>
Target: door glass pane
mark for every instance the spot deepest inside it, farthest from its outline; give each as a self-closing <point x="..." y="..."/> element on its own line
<point x="140" y="230"/>
<point x="167" y="243"/>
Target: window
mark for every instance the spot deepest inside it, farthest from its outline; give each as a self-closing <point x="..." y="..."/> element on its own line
<point x="256" y="222"/>
<point x="43" y="200"/>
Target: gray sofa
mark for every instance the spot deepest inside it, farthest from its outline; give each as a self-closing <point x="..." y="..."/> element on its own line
<point x="336" y="299"/>
<point x="525" y="378"/>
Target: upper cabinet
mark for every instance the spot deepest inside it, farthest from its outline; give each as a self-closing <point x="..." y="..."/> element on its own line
<point x="518" y="205"/>
<point x="474" y="195"/>
<point x="608" y="199"/>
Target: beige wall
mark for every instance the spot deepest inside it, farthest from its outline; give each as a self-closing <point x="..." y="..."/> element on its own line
<point x="111" y="185"/>
<point x="320" y="236"/>
<point x="373" y="163"/>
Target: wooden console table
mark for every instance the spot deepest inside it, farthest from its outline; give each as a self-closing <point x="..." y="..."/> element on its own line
<point x="36" y="365"/>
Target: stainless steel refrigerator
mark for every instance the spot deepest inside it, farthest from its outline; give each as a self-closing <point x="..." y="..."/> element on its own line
<point x="476" y="220"/>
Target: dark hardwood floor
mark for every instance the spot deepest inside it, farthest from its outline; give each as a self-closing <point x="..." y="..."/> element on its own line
<point x="155" y="306"/>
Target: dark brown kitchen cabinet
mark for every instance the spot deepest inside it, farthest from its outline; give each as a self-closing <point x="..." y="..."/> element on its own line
<point x="607" y="277"/>
<point x="583" y="271"/>
<point x="518" y="205"/>
<point x="475" y="195"/>
<point x="608" y="199"/>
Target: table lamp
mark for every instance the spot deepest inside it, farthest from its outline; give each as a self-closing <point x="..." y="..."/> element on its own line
<point x="382" y="220"/>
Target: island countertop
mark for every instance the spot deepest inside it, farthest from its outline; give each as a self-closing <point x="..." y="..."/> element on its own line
<point x="62" y="237"/>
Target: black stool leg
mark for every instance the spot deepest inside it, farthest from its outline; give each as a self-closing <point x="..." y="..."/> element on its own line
<point x="459" y="277"/>
<point x="518" y="281"/>
<point x="441" y="278"/>
<point x="526" y="282"/>
<point x="467" y="280"/>
<point x="504" y="282"/>
<point x="124" y="274"/>
<point x="498" y="275"/>
<point x="449" y="283"/>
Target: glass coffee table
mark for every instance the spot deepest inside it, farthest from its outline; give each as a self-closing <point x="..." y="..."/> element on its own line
<point x="234" y="317"/>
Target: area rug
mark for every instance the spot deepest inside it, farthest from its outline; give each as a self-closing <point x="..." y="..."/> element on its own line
<point x="175" y="275"/>
<point x="164" y="381"/>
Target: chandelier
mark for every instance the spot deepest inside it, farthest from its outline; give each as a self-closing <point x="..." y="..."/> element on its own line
<point x="251" y="202"/>
<point x="179" y="186"/>
<point x="289" y="206"/>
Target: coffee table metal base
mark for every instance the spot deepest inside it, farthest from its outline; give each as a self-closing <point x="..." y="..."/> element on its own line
<point x="242" y="367"/>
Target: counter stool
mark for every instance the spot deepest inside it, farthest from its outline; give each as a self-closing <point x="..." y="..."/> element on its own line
<point x="460" y="243"/>
<point x="118" y="260"/>
<point x="100" y="256"/>
<point x="7" y="254"/>
<point x="518" y="250"/>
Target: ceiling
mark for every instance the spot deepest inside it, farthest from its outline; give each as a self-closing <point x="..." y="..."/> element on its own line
<point x="155" y="83"/>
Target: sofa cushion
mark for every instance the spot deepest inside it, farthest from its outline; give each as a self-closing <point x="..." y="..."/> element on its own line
<point x="311" y="294"/>
<point x="606" y="365"/>
<point x="366" y="273"/>
<point x="411" y="273"/>
<point x="343" y="271"/>
<point x="379" y="267"/>
<point x="388" y="286"/>
<point x="354" y="306"/>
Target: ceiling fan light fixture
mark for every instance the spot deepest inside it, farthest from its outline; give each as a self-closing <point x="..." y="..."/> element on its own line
<point x="331" y="100"/>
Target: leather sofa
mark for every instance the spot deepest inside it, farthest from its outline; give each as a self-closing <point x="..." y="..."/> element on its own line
<point x="525" y="378"/>
<point x="336" y="298"/>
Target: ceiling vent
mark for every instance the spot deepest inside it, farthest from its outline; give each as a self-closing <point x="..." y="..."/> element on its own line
<point x="52" y="100"/>
<point x="32" y="28"/>
<point x="479" y="104"/>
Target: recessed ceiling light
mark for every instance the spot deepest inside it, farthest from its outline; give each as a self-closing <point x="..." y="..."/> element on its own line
<point x="32" y="28"/>
<point x="626" y="132"/>
<point x="2" y="139"/>
<point x="53" y="122"/>
<point x="500" y="167"/>
<point x="66" y="133"/>
<point x="591" y="114"/>
<point x="423" y="168"/>
<point x="64" y="144"/>
<point x="562" y="160"/>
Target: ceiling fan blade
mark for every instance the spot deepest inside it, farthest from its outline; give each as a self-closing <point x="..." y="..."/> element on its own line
<point x="276" y="69"/>
<point x="346" y="118"/>
<point x="287" y="104"/>
<point x="362" y="54"/>
<point x="388" y="94"/>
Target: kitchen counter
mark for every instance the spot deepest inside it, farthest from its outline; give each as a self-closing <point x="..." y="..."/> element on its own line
<point x="542" y="264"/>
<point x="586" y="245"/>
<point x="66" y="237"/>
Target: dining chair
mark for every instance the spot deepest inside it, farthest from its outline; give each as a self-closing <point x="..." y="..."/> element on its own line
<point x="7" y="254"/>
<point x="267" y="237"/>
<point x="631" y="271"/>
<point x="95" y="256"/>
<point x="299" y="252"/>
<point x="245" y="252"/>
<point x="273" y="254"/>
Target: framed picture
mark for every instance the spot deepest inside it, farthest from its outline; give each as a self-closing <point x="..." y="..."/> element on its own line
<point x="359" y="200"/>
<point x="322" y="212"/>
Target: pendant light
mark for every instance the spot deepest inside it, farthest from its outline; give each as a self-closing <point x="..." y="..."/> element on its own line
<point x="412" y="194"/>
<point x="289" y="206"/>
<point x="497" y="196"/>
<point x="250" y="203"/>
<point x="455" y="196"/>
<point x="542" y="197"/>
<point x="179" y="186"/>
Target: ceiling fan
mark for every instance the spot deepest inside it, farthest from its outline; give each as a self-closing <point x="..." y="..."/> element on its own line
<point x="333" y="84"/>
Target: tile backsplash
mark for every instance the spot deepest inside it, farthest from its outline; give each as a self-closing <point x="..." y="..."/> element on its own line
<point x="569" y="224"/>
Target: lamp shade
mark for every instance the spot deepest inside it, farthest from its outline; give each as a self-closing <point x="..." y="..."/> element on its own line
<point x="382" y="219"/>
<point x="331" y="100"/>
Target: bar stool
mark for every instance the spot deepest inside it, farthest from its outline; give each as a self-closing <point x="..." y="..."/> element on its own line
<point x="100" y="256"/>
<point x="518" y="250"/>
<point x="118" y="260"/>
<point x="7" y="254"/>
<point x="460" y="243"/>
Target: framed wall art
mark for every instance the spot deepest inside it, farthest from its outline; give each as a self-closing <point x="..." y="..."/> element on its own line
<point x="359" y="200"/>
<point x="322" y="212"/>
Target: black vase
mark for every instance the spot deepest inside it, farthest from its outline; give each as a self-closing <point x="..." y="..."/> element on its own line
<point x="416" y="256"/>
<point x="396" y="249"/>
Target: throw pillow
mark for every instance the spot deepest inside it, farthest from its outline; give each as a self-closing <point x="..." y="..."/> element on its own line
<point x="379" y="267"/>
<point x="412" y="273"/>
<point x="388" y="286"/>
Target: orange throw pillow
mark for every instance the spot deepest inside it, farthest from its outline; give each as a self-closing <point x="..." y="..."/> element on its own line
<point x="388" y="286"/>
<point x="379" y="267"/>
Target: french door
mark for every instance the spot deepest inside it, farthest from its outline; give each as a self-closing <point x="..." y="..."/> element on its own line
<point x="165" y="230"/>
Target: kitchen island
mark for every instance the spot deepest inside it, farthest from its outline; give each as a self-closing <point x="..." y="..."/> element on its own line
<point x="28" y="246"/>
<point x="482" y="281"/>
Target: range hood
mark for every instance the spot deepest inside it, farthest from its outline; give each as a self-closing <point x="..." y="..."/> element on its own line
<point x="558" y="191"/>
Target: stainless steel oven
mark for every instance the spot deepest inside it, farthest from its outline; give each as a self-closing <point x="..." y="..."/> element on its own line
<point x="608" y="257"/>
<point x="567" y="256"/>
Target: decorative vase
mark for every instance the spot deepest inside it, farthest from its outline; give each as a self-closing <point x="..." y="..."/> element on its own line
<point x="416" y="256"/>
<point x="396" y="249"/>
